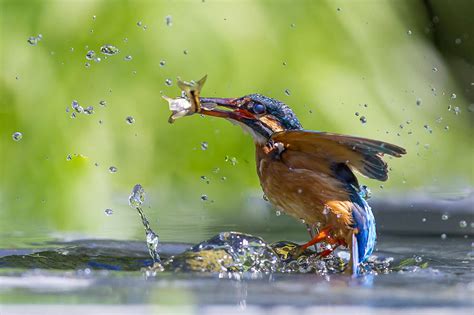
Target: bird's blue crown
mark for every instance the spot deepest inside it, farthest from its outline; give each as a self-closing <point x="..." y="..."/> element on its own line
<point x="280" y="110"/>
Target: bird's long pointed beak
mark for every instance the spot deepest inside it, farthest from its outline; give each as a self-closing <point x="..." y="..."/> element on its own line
<point x="225" y="108"/>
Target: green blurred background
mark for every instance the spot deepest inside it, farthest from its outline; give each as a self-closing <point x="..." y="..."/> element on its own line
<point x="332" y="56"/>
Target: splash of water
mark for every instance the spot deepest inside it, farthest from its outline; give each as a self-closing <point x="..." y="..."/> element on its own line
<point x="136" y="199"/>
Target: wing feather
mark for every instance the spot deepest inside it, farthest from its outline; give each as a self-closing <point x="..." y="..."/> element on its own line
<point x="360" y="154"/>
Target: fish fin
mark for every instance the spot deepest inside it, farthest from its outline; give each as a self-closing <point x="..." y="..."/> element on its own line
<point x="361" y="154"/>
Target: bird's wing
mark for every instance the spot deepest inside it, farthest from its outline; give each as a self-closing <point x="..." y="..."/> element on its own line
<point x="360" y="154"/>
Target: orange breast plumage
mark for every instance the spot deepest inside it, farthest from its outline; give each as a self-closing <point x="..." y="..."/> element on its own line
<point x="309" y="193"/>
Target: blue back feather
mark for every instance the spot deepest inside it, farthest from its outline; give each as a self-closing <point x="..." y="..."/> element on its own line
<point x="364" y="221"/>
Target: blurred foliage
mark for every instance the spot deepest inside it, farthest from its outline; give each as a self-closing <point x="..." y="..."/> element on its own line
<point x="332" y="56"/>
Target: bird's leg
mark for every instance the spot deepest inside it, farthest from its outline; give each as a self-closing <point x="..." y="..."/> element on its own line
<point x="322" y="235"/>
<point x="334" y="244"/>
<point x="310" y="229"/>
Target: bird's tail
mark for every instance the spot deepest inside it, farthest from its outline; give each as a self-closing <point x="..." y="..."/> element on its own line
<point x="364" y="238"/>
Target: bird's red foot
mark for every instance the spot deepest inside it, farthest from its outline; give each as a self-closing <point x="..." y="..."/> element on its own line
<point x="335" y="243"/>
<point x="322" y="235"/>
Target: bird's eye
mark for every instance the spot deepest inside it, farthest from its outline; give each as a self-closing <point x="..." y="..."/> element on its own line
<point x="258" y="108"/>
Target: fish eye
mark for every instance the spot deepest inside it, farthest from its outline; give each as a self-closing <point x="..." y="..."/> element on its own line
<point x="258" y="108"/>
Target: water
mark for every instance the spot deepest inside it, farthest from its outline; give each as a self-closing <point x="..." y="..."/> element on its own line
<point x="232" y="271"/>
<point x="17" y="136"/>
<point x="109" y="50"/>
<point x="90" y="55"/>
<point x="130" y="120"/>
<point x="169" y="20"/>
<point x="98" y="272"/>
<point x="33" y="40"/>
<point x="136" y="200"/>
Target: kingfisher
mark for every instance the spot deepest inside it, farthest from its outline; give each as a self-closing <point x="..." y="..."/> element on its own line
<point x="310" y="174"/>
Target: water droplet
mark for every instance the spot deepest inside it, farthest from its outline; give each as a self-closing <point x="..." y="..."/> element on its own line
<point x="428" y="128"/>
<point x="109" y="50"/>
<point x="113" y="169"/>
<point x="108" y="212"/>
<point x="278" y="213"/>
<point x="458" y="41"/>
<point x="68" y="157"/>
<point x="128" y="58"/>
<point x="326" y="210"/>
<point x="223" y="178"/>
<point x="168" y="20"/>
<point x="139" y="23"/>
<point x="462" y="224"/>
<point x="418" y="101"/>
<point x="89" y="110"/>
<point x="94" y="17"/>
<point x="33" y="40"/>
<point x="446" y="128"/>
<point x="145" y="27"/>
<point x="287" y="92"/>
<point x="409" y="32"/>
<point x="102" y="103"/>
<point x="444" y="217"/>
<point x="453" y="96"/>
<point x="87" y="65"/>
<point x="423" y="220"/>
<point x="302" y="221"/>
<point x="162" y="63"/>
<point x="185" y="51"/>
<point x="338" y="9"/>
<point x="17" y="136"/>
<point x="77" y="108"/>
<point x="97" y="59"/>
<point x="435" y="69"/>
<point x="137" y="197"/>
<point x="204" y="197"/>
<point x="233" y="161"/>
<point x="457" y="110"/>
<point x="90" y="55"/>
<point x="443" y="236"/>
<point x="418" y="259"/>
<point x="130" y="120"/>
<point x="168" y="82"/>
<point x="293" y="25"/>
<point x="356" y="113"/>
<point x="363" y="119"/>
<point x="204" y="145"/>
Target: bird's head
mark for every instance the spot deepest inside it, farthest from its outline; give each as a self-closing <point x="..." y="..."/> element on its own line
<point x="261" y="116"/>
